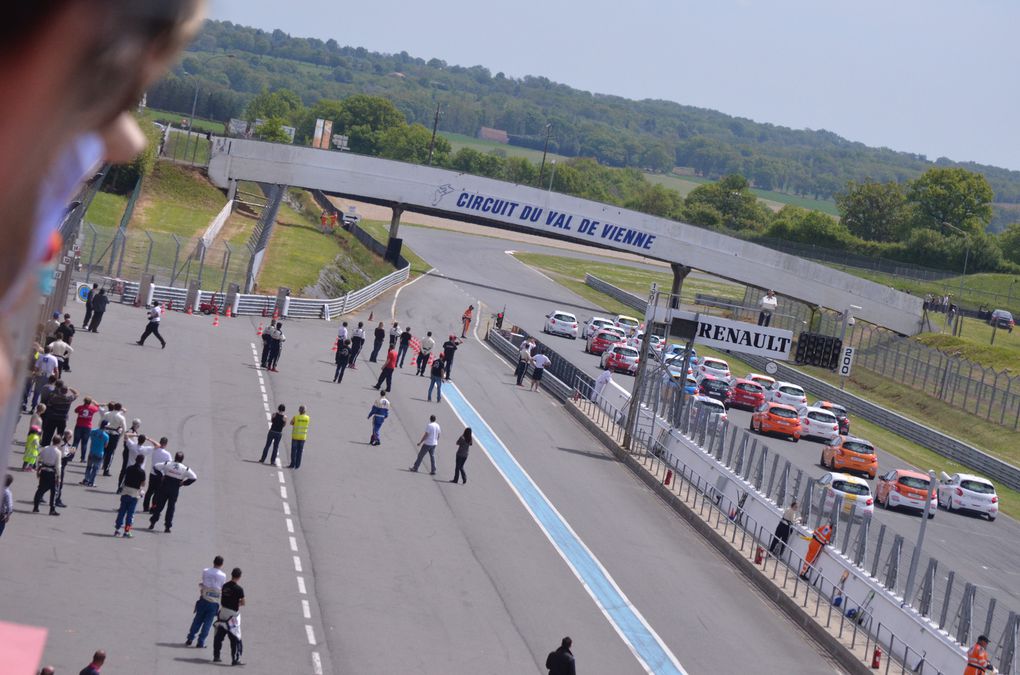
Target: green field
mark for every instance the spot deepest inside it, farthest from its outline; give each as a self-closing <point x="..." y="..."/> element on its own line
<point x="975" y="343"/>
<point x="996" y="291"/>
<point x="896" y="397"/>
<point x="194" y="149"/>
<point x="177" y="200"/>
<point x="459" y="141"/>
<point x="106" y="209"/>
<point x="165" y="117"/>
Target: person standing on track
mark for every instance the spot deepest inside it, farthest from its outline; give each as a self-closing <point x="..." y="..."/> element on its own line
<point x="357" y="342"/>
<point x="98" y="659"/>
<point x="449" y="349"/>
<point x="405" y="344"/>
<point x="343" y="359"/>
<point x="394" y="334"/>
<point x="436" y="378"/>
<point x="208" y="603"/>
<point x="465" y="321"/>
<point x="523" y="359"/>
<point x="98" y="310"/>
<point x="57" y="407"/>
<point x="276" y="340"/>
<point x="424" y="352"/>
<point x="175" y="474"/>
<point x="88" y="306"/>
<point x="463" y="446"/>
<point x="47" y="470"/>
<point x="98" y="440"/>
<point x="135" y="444"/>
<point x="379" y="335"/>
<point x="298" y="436"/>
<point x="561" y="661"/>
<point x="386" y="374"/>
<point x="341" y="333"/>
<point x="429" y="441"/>
<point x="378" y="414"/>
<point x="67" y="453"/>
<point x="115" y="425"/>
<point x="152" y="328"/>
<point x="83" y="424"/>
<point x="789" y="520"/>
<point x="276" y="424"/>
<point x="539" y="363"/>
<point x="228" y="619"/>
<point x="160" y="455"/>
<point x="134" y="479"/>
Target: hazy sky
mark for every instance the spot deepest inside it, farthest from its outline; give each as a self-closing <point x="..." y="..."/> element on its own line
<point x="926" y="76"/>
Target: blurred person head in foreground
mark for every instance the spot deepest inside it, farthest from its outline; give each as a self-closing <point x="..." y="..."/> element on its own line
<point x="70" y="70"/>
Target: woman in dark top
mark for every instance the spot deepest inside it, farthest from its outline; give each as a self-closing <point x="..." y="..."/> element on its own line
<point x="463" y="446"/>
<point x="275" y="433"/>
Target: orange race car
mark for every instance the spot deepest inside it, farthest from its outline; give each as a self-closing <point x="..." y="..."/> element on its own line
<point x="850" y="454"/>
<point x="776" y="418"/>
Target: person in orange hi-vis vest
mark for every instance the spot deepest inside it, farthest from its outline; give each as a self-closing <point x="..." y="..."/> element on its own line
<point x="819" y="539"/>
<point x="977" y="658"/>
<point x="466" y="320"/>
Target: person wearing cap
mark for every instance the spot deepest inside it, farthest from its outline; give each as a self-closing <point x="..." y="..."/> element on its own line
<point x="51" y="327"/>
<point x="155" y="315"/>
<point x="449" y="349"/>
<point x="978" y="662"/>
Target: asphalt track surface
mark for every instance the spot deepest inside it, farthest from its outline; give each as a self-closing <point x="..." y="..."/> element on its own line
<point x="981" y="551"/>
<point x="401" y="572"/>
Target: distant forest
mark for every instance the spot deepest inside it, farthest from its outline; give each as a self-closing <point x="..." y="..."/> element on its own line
<point x="650" y="134"/>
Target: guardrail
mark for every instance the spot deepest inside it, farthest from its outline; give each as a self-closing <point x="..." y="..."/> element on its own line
<point x="617" y="293"/>
<point x="509" y="344"/>
<point x="939" y="442"/>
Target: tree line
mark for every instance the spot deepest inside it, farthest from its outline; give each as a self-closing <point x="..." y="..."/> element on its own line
<point x="616" y="132"/>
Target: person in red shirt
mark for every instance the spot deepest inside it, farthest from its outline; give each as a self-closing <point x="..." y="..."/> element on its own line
<point x="83" y="425"/>
<point x="387" y="370"/>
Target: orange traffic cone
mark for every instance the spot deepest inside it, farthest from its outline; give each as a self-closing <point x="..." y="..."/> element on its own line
<point x="669" y="477"/>
<point x="370" y="315"/>
<point x="334" y="344"/>
<point x="216" y="319"/>
<point x="258" y="333"/>
<point x="189" y="312"/>
<point x="228" y="311"/>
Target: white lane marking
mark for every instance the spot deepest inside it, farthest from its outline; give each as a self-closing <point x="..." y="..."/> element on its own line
<point x="265" y="398"/>
<point x="393" y="305"/>
<point x="297" y="564"/>
<point x="262" y="387"/>
<point x="310" y="633"/>
<point x="293" y="543"/>
<point x="290" y="525"/>
<point x="306" y="609"/>
<point x="316" y="663"/>
<point x="301" y="586"/>
<point x="269" y="418"/>
<point x="279" y="475"/>
<point x="542" y="274"/>
<point x="286" y="508"/>
<point x="283" y="492"/>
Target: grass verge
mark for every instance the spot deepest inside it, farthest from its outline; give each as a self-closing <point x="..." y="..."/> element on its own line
<point x="177" y="200"/>
<point x="106" y="209"/>
<point x="975" y="344"/>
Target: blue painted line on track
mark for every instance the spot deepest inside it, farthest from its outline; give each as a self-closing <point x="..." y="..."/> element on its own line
<point x="643" y="642"/>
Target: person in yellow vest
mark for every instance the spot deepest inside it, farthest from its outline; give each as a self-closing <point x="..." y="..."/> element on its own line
<point x="819" y="540"/>
<point x="298" y="436"/>
<point x="978" y="662"/>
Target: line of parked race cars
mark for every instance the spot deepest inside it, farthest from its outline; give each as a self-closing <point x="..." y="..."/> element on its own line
<point x="780" y="409"/>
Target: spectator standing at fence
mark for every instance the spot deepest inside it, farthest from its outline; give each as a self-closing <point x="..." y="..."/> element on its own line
<point x="791" y="516"/>
<point x="98" y="310"/>
<point x="298" y="436"/>
<point x="768" y="305"/>
<point x="378" y="413"/>
<point x="436" y="375"/>
<point x="523" y="359"/>
<point x="276" y="425"/>
<point x="276" y="340"/>
<point x="343" y="359"/>
<point x="357" y="342"/>
<point x="465" y="321"/>
<point x="405" y="344"/>
<point x="160" y="455"/>
<point x="539" y="363"/>
<point x="379" y="337"/>
<point x="463" y="447"/>
<point x="449" y="350"/>
<point x="394" y="334"/>
<point x="51" y="327"/>
<point x="425" y="352"/>
<point x="428" y="442"/>
<point x="155" y="315"/>
<point x="88" y="306"/>
<point x="603" y="380"/>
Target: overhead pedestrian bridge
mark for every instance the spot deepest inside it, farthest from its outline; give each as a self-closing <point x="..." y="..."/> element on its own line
<point x="496" y="203"/>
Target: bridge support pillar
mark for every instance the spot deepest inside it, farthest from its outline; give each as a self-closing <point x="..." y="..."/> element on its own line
<point x="680" y="273"/>
<point x="232" y="190"/>
<point x="395" y="221"/>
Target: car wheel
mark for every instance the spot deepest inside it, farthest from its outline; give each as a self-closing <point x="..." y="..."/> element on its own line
<point x="931" y="514"/>
<point x="750" y="425"/>
<point x="949" y="505"/>
<point x="991" y="519"/>
<point x="821" y="461"/>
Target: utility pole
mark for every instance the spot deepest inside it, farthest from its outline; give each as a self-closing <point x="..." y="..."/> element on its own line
<point x="541" y="169"/>
<point x="435" y="127"/>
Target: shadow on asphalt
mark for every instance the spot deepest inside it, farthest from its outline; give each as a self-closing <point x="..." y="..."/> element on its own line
<point x="571" y="303"/>
<point x="588" y="453"/>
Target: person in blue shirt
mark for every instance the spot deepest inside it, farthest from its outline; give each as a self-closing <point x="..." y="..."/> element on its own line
<point x="98" y="438"/>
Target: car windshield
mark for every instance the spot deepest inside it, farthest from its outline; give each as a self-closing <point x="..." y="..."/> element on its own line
<point x="783" y="412"/>
<point x="791" y="390"/>
<point x="819" y="416"/>
<point x="977" y="486"/>
<point x="710" y="405"/>
<point x="716" y="365"/>
<point x="914" y="482"/>
<point x="627" y="351"/>
<point x="564" y="317"/>
<point x="859" y="447"/>
<point x="714" y="385"/>
<point x="837" y="410"/>
<point x="627" y="321"/>
<point x="850" y="488"/>
<point x="750" y="387"/>
<point x="608" y="335"/>
<point x="1003" y="314"/>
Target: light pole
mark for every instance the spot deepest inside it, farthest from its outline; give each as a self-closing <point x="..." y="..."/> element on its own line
<point x="194" y="105"/>
<point x="541" y="169"/>
<point x="435" y="127"/>
<point x="966" y="257"/>
<point x="916" y="556"/>
<point x="552" y="178"/>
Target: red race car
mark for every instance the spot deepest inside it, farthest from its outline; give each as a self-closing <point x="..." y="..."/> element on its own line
<point x="746" y="394"/>
<point x="602" y="340"/>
